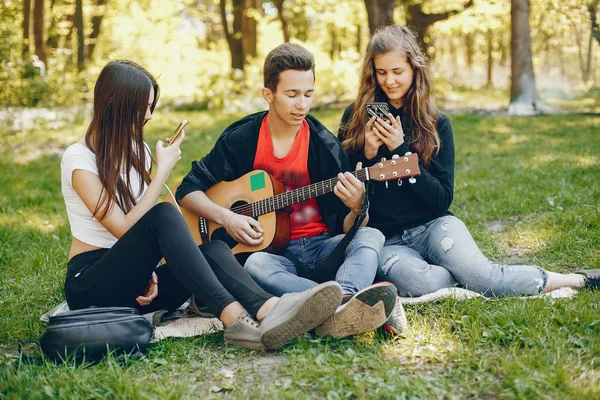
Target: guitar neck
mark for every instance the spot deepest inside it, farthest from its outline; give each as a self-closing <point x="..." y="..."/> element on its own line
<point x="287" y="199"/>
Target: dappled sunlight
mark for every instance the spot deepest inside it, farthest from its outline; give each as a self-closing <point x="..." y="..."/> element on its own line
<point x="585" y="160"/>
<point x="34" y="221"/>
<point x="500" y="128"/>
<point x="24" y="157"/>
<point x="529" y="239"/>
<point x="549" y="160"/>
<point x="426" y="343"/>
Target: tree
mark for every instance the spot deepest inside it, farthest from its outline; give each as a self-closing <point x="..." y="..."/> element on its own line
<point x="25" y="26"/>
<point x="249" y="28"/>
<point x="285" y="25"/>
<point x="593" y="9"/>
<point x="379" y="13"/>
<point x="585" y="62"/>
<point x="421" y="21"/>
<point x="234" y="35"/>
<point x="524" y="97"/>
<point x="96" y="26"/>
<point x="39" y="30"/>
<point x="78" y="23"/>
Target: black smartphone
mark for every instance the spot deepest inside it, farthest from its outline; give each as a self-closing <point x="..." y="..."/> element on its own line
<point x="177" y="133"/>
<point x="380" y="110"/>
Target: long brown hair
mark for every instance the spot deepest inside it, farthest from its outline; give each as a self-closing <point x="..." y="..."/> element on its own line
<point x="115" y="133"/>
<point x="419" y="111"/>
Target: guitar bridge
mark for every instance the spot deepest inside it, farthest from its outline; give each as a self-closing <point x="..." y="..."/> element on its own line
<point x="203" y="229"/>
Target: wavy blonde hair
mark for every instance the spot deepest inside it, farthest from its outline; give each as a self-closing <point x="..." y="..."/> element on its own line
<point x="418" y="105"/>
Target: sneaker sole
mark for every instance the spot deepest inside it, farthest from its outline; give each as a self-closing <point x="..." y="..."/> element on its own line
<point x="365" y="312"/>
<point x="307" y="315"/>
<point x="248" y="345"/>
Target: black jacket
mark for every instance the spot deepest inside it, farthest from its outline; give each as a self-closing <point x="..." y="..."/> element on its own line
<point x="233" y="156"/>
<point x="402" y="207"/>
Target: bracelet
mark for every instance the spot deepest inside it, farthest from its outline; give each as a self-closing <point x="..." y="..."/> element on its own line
<point x="228" y="222"/>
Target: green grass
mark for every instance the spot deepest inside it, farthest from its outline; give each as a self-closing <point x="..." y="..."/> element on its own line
<point x="526" y="187"/>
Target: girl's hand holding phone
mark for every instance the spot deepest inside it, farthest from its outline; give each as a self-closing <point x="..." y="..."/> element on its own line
<point x="168" y="153"/>
<point x="372" y="140"/>
<point x="392" y="134"/>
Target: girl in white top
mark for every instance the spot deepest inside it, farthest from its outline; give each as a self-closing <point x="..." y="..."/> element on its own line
<point x="119" y="233"/>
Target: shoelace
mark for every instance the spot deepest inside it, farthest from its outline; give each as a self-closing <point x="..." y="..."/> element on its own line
<point x="249" y="320"/>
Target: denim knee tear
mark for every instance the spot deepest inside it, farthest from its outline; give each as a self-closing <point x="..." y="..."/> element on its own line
<point x="447" y="243"/>
<point x="444" y="227"/>
<point x="540" y="284"/>
<point x="388" y="264"/>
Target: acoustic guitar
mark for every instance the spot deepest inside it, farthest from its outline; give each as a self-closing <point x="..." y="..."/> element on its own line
<point x="260" y="196"/>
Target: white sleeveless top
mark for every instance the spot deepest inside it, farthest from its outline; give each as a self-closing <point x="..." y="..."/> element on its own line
<point x="84" y="226"/>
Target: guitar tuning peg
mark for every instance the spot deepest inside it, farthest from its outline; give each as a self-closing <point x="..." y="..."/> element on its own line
<point x="399" y="182"/>
<point x="408" y="153"/>
<point x="412" y="180"/>
<point x="386" y="184"/>
<point x="382" y="159"/>
<point x="395" y="156"/>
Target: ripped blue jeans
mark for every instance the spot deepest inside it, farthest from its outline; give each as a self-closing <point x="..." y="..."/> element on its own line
<point x="441" y="254"/>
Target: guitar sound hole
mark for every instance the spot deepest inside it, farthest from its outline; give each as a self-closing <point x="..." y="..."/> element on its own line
<point x="221" y="234"/>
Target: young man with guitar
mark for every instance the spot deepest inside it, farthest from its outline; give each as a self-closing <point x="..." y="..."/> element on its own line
<point x="295" y="150"/>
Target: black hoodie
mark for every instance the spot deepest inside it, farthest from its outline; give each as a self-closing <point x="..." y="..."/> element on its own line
<point x="397" y="208"/>
<point x="233" y="156"/>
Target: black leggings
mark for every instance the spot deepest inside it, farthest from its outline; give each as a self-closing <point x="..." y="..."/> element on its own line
<point x="116" y="276"/>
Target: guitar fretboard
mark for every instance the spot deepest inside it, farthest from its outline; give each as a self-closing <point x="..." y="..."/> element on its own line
<point x="286" y="199"/>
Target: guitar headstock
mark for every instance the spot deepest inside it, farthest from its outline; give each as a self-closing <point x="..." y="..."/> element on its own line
<point x="397" y="168"/>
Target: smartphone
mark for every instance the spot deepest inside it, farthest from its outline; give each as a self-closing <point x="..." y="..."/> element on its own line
<point x="380" y="110"/>
<point x="177" y="132"/>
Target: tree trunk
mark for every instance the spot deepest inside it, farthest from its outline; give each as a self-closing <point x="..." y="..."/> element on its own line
<point x="469" y="50"/>
<point x="234" y="36"/>
<point x="588" y="67"/>
<point x="78" y="22"/>
<point x="503" y="51"/>
<point x="25" y="26"/>
<point x="359" y="38"/>
<point x="524" y="97"/>
<point x="380" y="13"/>
<point x="593" y="9"/>
<point x="285" y="26"/>
<point x="249" y="28"/>
<point x="490" y="58"/>
<point x="420" y="21"/>
<point x="332" y="41"/>
<point x="53" y="36"/>
<point x="341" y="41"/>
<point x="96" y="26"/>
<point x="39" y="30"/>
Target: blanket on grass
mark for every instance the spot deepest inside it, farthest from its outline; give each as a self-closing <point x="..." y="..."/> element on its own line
<point x="183" y="323"/>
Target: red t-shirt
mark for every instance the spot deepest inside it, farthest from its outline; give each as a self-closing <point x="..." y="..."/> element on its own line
<point x="292" y="170"/>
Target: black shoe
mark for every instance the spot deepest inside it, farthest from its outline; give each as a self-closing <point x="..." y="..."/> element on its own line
<point x="197" y="309"/>
<point x="592" y="277"/>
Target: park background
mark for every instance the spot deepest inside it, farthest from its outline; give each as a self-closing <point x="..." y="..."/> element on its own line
<point x="519" y="80"/>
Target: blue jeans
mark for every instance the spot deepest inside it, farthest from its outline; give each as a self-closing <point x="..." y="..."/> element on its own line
<point x="442" y="253"/>
<point x="278" y="275"/>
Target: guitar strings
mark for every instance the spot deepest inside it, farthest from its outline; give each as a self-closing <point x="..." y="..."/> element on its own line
<point x="247" y="209"/>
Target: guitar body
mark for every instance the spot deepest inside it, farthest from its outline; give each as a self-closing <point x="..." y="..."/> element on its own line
<point x="249" y="188"/>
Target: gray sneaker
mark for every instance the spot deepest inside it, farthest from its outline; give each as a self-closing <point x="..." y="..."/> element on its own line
<point x="365" y="311"/>
<point x="397" y="323"/>
<point x="297" y="313"/>
<point x="244" y="332"/>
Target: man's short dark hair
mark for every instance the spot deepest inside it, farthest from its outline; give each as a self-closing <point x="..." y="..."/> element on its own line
<point x="283" y="57"/>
